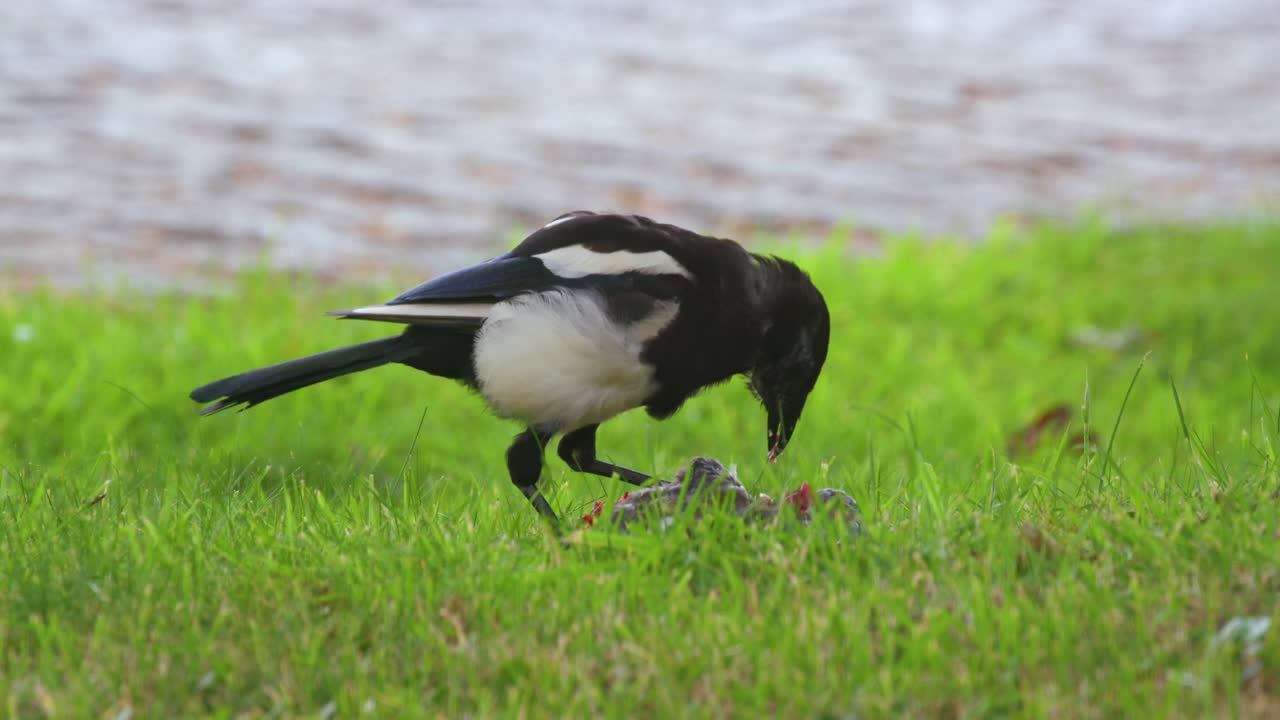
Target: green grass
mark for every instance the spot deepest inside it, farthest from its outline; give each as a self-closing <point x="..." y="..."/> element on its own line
<point x="307" y="558"/>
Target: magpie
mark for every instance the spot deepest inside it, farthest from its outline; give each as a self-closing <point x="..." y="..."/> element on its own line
<point x="589" y="316"/>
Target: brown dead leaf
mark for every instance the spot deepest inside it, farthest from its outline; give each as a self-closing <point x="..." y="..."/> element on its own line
<point x="455" y="613"/>
<point x="1040" y="541"/>
<point x="1036" y="542"/>
<point x="1029" y="437"/>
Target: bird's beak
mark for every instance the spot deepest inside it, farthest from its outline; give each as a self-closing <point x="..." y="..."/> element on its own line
<point x="778" y="436"/>
<point x="782" y="425"/>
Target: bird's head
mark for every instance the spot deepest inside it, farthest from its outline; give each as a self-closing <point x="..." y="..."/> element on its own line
<point x="792" y="352"/>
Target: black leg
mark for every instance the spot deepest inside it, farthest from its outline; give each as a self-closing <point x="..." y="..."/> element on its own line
<point x="578" y="450"/>
<point x="524" y="463"/>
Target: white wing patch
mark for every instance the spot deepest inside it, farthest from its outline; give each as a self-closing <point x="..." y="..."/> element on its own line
<point x="425" y="311"/>
<point x="557" y="360"/>
<point x="564" y="219"/>
<point x="576" y="261"/>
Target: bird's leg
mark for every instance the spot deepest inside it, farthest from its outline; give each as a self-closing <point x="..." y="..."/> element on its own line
<point x="578" y="450"/>
<point x="524" y="463"/>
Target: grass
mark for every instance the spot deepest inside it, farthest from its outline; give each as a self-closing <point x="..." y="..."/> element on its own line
<point x="307" y="558"/>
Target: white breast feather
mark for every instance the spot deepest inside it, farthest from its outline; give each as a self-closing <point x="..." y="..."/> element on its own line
<point x="557" y="361"/>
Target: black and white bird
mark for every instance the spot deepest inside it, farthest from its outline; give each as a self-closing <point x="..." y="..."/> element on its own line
<point x="588" y="317"/>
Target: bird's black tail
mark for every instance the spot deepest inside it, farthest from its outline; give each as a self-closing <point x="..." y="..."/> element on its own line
<point x="256" y="386"/>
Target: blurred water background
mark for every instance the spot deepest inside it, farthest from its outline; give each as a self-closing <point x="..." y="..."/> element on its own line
<point x="166" y="141"/>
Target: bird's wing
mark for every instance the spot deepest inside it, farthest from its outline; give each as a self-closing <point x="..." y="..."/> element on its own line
<point x="461" y="298"/>
<point x="582" y="244"/>
<point x="496" y="279"/>
<point x="626" y="259"/>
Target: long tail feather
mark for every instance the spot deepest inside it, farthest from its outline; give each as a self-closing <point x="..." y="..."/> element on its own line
<point x="256" y="386"/>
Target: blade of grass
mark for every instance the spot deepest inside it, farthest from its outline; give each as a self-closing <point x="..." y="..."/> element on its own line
<point x="1107" y="460"/>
